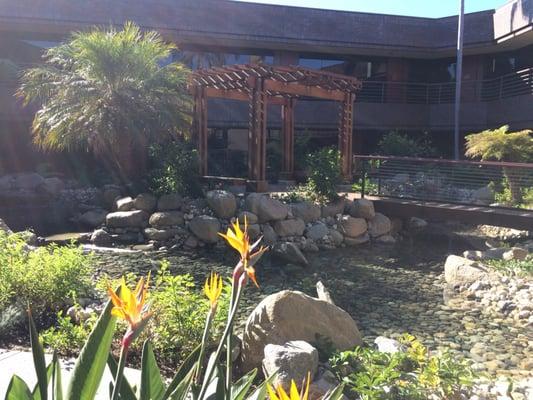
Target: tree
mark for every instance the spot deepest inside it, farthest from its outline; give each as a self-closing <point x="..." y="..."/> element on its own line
<point x="502" y="145"/>
<point x="108" y="92"/>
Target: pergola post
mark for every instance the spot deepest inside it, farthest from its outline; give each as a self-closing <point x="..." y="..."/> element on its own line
<point x="345" y="136"/>
<point x="287" y="140"/>
<point x="257" y="136"/>
<point x="200" y="126"/>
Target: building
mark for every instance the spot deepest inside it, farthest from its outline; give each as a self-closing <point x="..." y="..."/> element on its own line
<point x="407" y="64"/>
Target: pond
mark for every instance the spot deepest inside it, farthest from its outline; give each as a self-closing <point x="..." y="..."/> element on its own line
<point x="388" y="290"/>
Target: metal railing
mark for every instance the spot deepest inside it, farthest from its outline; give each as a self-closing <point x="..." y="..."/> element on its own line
<point x="510" y="85"/>
<point x="494" y="184"/>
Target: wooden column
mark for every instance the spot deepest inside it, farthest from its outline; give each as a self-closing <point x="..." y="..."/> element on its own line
<point x="287" y="140"/>
<point x="345" y="136"/>
<point x="200" y="126"/>
<point x="257" y="136"/>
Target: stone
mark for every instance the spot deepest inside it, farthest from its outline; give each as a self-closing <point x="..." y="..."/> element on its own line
<point x="223" y="203"/>
<point x="101" y="237"/>
<point x="127" y="219"/>
<point x="379" y="225"/>
<point x="416" y="223"/>
<point x="146" y="202"/>
<point x="386" y="239"/>
<point x="254" y="230"/>
<point x="52" y="186"/>
<point x="205" y="228"/>
<point x="292" y="315"/>
<point x="265" y="207"/>
<point x="515" y="253"/>
<point x="171" y="201"/>
<point x="270" y="237"/>
<point x="93" y="218"/>
<point x="4" y="227"/>
<point x="166" y="218"/>
<point x="191" y="242"/>
<point x="289" y="252"/>
<point x="460" y="271"/>
<point x="490" y="254"/>
<point x="362" y="208"/>
<point x="125" y="204"/>
<point x="336" y="237"/>
<point x="386" y="345"/>
<point x="307" y="211"/>
<point x="334" y="208"/>
<point x="309" y="246"/>
<point x="484" y="195"/>
<point x="352" y="227"/>
<point x="316" y="231"/>
<point x="27" y="181"/>
<point x="251" y="218"/>
<point x="110" y="194"/>
<point x="293" y="360"/>
<point x="290" y="227"/>
<point x="160" y="234"/>
<point x="324" y="384"/>
<point x="349" y="241"/>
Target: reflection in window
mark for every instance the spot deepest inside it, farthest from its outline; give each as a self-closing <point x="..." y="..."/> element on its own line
<point x="362" y="69"/>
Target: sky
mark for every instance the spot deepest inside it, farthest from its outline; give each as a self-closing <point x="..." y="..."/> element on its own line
<point x="419" y="8"/>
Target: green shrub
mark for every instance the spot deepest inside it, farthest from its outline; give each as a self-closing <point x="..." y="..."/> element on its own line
<point x="174" y="169"/>
<point x="410" y="375"/>
<point x="397" y="144"/>
<point x="513" y="267"/>
<point x="46" y="278"/>
<point x="324" y="173"/>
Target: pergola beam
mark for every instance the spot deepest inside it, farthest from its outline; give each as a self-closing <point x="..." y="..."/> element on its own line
<point x="297" y="89"/>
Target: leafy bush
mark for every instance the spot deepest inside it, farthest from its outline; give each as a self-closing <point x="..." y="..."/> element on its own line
<point x="324" y="173"/>
<point x="397" y="144"/>
<point x="410" y="375"/>
<point x="174" y="169"/>
<point x="46" y="278"/>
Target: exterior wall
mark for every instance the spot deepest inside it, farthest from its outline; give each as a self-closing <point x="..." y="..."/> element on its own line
<point x="512" y="17"/>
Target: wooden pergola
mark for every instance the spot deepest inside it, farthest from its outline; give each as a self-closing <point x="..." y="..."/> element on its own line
<point x="260" y="85"/>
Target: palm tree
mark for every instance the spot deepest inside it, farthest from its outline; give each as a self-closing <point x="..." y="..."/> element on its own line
<point x="502" y="145"/>
<point x="107" y="92"/>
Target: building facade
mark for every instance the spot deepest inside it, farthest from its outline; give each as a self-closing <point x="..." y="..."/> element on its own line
<point x="406" y="64"/>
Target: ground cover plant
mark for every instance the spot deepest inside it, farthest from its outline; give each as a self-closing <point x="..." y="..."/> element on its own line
<point x="513" y="267"/>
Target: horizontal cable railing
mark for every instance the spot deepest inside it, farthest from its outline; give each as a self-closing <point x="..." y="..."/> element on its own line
<point x="495" y="184"/>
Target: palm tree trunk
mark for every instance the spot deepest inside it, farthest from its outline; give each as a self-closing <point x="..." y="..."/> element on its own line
<point x="514" y="186"/>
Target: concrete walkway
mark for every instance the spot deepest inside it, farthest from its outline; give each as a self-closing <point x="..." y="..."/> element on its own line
<point x="21" y="363"/>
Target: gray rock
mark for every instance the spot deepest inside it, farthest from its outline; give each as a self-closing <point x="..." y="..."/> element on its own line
<point x="191" y="242"/>
<point x="459" y="271"/>
<point x="254" y="231"/>
<point x="515" y="253"/>
<point x="290" y="227"/>
<point x="4" y="227"/>
<point x="270" y="236"/>
<point x="127" y="219"/>
<point x="93" y="218"/>
<point x="27" y="181"/>
<point x="336" y="237"/>
<point x="251" y="218"/>
<point x="352" y="242"/>
<point x="309" y="246"/>
<point x="386" y="239"/>
<point x="293" y="360"/>
<point x="101" y="237"/>
<point x="125" y="204"/>
<point x="416" y="223"/>
<point x="170" y="202"/>
<point x="362" y="208"/>
<point x="484" y="195"/>
<point x="52" y="186"/>
<point x="490" y="254"/>
<point x="316" y="231"/>
<point x="334" y="208"/>
<point x="110" y="194"/>
<point x="352" y="227"/>
<point x="290" y="315"/>
<point x="166" y="218"/>
<point x="223" y="203"/>
<point x="289" y="252"/>
<point x="379" y="225"/>
<point x="160" y="234"/>
<point x="266" y="208"/>
<point x="386" y="345"/>
<point x="307" y="211"/>
<point x="205" y="228"/>
<point x="146" y="202"/>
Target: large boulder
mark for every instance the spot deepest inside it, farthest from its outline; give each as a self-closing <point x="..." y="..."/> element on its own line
<point x="362" y="208"/>
<point x="171" y="201"/>
<point x="356" y="241"/>
<point x="27" y="181"/>
<point x="461" y="272"/>
<point x="352" y="227"/>
<point x="379" y="225"/>
<point x="307" y="211"/>
<point x="146" y="202"/>
<point x="223" y="203"/>
<point x="205" y="228"/>
<point x="101" y="237"/>
<point x="270" y="237"/>
<point x="334" y="208"/>
<point x="290" y="227"/>
<point x="292" y="361"/>
<point x="291" y="315"/>
<point x="52" y="186"/>
<point x="160" y="234"/>
<point x="166" y="218"/>
<point x="247" y="216"/>
<point x="317" y="231"/>
<point x="93" y="218"/>
<point x="110" y="194"/>
<point x="289" y="252"/>
<point x="265" y="207"/>
<point x="125" y="204"/>
<point x="127" y="219"/>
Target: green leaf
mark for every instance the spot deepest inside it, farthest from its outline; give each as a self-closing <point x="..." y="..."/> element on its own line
<point x="36" y="392"/>
<point x="261" y="391"/>
<point x="38" y="360"/>
<point x="18" y="390"/>
<point x="92" y="360"/>
<point x="152" y="387"/>
<point x="216" y="389"/>
<point x="187" y="368"/>
<point x="241" y="387"/>
<point x="334" y="394"/>
<point x="183" y="386"/>
<point x="126" y="391"/>
<point x="57" y="386"/>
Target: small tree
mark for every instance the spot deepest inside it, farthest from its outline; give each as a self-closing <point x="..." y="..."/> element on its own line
<point x="502" y="145"/>
<point x="109" y="92"/>
<point x="324" y="172"/>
